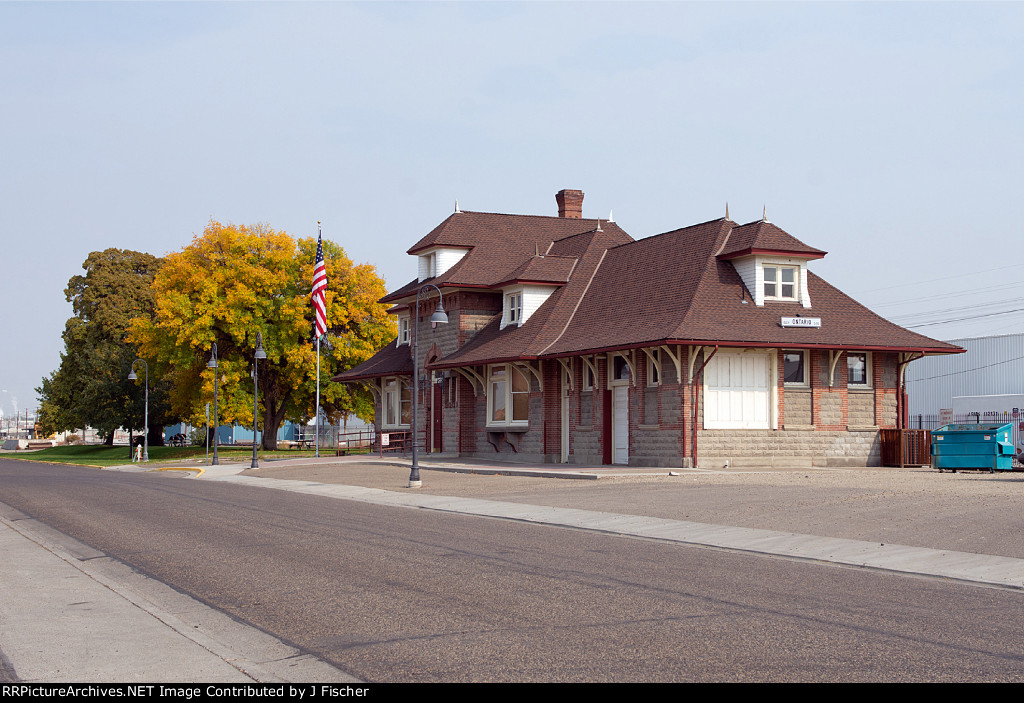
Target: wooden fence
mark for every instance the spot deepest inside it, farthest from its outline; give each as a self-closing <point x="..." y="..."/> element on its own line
<point x="906" y="447"/>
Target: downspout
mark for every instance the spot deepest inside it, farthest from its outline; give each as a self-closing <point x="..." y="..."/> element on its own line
<point x="693" y="385"/>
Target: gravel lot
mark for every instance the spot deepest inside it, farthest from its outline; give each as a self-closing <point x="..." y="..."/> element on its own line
<point x="970" y="512"/>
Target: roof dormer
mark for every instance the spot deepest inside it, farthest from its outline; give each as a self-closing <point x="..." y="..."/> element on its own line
<point x="435" y="261"/>
<point x="774" y="279"/>
<point x="520" y="302"/>
<point x="771" y="262"/>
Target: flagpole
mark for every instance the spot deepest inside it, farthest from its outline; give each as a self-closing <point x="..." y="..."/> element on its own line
<point x="317" y="435"/>
<point x="319" y="319"/>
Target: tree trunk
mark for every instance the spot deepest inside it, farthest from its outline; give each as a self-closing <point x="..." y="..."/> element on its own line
<point x="273" y="416"/>
<point x="108" y="441"/>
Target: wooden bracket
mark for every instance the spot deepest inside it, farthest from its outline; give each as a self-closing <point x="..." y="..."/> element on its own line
<point x="567" y="365"/>
<point x="592" y="365"/>
<point x="375" y="388"/>
<point x="833" y="359"/>
<point x="534" y="371"/>
<point x="475" y="379"/>
<point x="676" y="360"/>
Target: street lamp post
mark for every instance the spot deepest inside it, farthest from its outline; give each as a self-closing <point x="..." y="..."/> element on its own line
<point x="212" y="364"/>
<point x="260" y="354"/>
<point x="145" y="436"/>
<point x="438" y="316"/>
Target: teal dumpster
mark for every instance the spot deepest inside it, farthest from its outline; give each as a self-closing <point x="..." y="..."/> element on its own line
<point x="972" y="446"/>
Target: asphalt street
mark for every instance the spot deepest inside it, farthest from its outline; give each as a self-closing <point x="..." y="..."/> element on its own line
<point x="393" y="594"/>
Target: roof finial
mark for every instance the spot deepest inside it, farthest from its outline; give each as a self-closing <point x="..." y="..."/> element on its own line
<point x="599" y="226"/>
<point x="764" y="214"/>
<point x="727" y="210"/>
<point x="457" y="205"/>
<point x="611" y="216"/>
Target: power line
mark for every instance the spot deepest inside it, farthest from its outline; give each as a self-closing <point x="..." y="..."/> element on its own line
<point x="962" y="319"/>
<point x="961" y="308"/>
<point x="943" y="278"/>
<point x="955" y="373"/>
<point x="951" y="294"/>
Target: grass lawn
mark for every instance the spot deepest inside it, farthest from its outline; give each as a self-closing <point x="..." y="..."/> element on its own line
<point x="99" y="455"/>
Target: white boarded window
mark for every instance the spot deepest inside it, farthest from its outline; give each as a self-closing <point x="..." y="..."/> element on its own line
<point x="737" y="391"/>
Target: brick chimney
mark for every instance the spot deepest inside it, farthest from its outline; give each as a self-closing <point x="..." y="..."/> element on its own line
<point x="570" y="203"/>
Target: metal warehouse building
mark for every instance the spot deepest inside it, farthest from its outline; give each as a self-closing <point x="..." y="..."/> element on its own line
<point x="991" y="366"/>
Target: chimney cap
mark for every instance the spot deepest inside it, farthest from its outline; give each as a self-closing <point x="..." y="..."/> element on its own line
<point x="570" y="203"/>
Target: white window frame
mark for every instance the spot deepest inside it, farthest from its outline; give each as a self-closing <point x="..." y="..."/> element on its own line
<point x="392" y="401"/>
<point x="588" y="377"/>
<point x="653" y="368"/>
<point x="404" y="330"/>
<point x="508" y="396"/>
<point x="806" y="382"/>
<point x="613" y="380"/>
<point x="778" y="283"/>
<point x="869" y="381"/>
<point x="514" y="308"/>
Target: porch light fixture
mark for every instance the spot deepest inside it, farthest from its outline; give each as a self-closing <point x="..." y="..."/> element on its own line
<point x="439" y="316"/>
<point x="145" y="436"/>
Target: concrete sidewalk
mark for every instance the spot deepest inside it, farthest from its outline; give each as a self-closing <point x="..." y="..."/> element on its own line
<point x="69" y="613"/>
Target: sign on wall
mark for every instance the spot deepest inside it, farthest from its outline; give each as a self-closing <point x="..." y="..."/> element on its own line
<point x="801" y="322"/>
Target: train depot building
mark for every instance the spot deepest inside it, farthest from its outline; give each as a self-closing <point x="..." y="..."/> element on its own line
<point x="570" y="342"/>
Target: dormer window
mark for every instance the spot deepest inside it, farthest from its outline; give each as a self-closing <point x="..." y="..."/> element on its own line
<point x="404" y="330"/>
<point x="514" y="305"/>
<point x="520" y="302"/>
<point x="780" y="282"/>
<point x="772" y="279"/>
<point x="428" y="266"/>
<point x="434" y="262"/>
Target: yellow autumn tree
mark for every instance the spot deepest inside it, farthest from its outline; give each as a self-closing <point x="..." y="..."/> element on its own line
<point x="235" y="281"/>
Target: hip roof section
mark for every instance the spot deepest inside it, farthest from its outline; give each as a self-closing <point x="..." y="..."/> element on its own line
<point x="502" y="247"/>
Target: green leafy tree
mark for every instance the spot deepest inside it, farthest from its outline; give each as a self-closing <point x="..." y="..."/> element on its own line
<point x="90" y="388"/>
<point x="235" y="281"/>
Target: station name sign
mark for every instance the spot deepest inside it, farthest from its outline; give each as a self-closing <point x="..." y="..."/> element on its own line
<point x="801" y="322"/>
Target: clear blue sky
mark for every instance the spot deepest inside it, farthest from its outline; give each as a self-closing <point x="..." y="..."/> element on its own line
<point x="889" y="135"/>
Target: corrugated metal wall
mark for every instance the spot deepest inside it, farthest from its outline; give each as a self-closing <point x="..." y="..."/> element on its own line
<point x="991" y="366"/>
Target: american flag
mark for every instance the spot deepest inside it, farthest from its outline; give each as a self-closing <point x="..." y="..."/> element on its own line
<point x="320" y="290"/>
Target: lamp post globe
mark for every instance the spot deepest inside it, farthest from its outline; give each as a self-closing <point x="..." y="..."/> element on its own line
<point x="212" y="364"/>
<point x="145" y="436"/>
<point x="259" y="354"/>
<point x="441" y="317"/>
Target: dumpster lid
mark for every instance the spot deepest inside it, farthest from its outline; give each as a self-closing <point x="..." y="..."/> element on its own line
<point x="974" y="427"/>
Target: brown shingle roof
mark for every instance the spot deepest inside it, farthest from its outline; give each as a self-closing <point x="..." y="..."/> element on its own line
<point x="763" y="237"/>
<point x="676" y="287"/>
<point x="548" y="323"/>
<point x="499" y="245"/>
<point x="389" y="361"/>
<point x="543" y="269"/>
<point x="673" y="287"/>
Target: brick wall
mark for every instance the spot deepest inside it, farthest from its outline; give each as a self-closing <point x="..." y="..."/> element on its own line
<point x="797" y="407"/>
<point x="813" y="423"/>
<point x="787" y="448"/>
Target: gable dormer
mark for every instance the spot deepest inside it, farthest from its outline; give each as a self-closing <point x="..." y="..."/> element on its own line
<point x="435" y="261"/>
<point x="771" y="263"/>
<point x="520" y="302"/>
